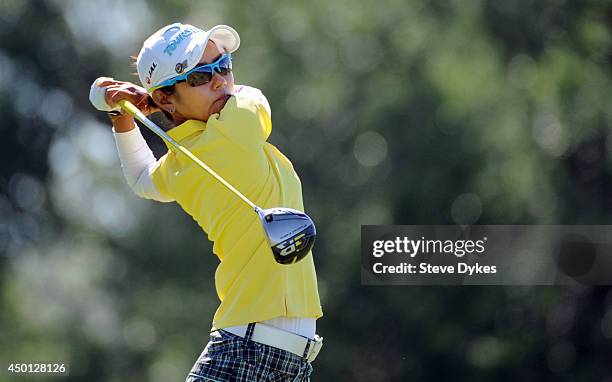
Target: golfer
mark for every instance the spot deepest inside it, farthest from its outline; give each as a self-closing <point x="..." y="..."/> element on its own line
<point x="264" y="327"/>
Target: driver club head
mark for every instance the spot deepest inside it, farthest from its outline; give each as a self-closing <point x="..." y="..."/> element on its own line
<point x="291" y="233"/>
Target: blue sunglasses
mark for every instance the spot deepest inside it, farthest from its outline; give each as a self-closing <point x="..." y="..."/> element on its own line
<point x="202" y="74"/>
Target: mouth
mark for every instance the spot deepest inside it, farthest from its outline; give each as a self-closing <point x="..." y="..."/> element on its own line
<point x="219" y="103"/>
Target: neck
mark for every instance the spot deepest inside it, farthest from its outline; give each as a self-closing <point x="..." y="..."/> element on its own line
<point x="178" y="119"/>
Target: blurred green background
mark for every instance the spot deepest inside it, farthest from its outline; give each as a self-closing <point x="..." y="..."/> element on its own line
<point x="393" y="112"/>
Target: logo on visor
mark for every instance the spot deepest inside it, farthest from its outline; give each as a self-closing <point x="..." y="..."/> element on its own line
<point x="150" y="72"/>
<point x="152" y="68"/>
<point x="180" y="67"/>
<point x="171" y="47"/>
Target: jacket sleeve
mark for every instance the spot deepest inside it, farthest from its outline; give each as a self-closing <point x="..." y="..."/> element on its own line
<point x="138" y="163"/>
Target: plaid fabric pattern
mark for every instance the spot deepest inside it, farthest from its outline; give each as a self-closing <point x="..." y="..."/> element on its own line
<point x="228" y="357"/>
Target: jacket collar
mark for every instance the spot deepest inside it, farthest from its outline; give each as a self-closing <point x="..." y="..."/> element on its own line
<point x="186" y="129"/>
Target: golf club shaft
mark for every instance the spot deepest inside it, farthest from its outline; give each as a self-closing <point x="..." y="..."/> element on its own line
<point x="134" y="112"/>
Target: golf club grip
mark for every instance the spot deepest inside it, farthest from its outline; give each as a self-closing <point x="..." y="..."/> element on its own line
<point x="134" y="112"/>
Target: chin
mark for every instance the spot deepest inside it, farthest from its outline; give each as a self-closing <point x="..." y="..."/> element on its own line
<point x="218" y="106"/>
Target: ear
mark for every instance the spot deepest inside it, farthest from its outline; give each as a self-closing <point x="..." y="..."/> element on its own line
<point x="164" y="101"/>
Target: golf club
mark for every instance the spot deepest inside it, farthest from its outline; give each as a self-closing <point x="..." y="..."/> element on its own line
<point x="291" y="233"/>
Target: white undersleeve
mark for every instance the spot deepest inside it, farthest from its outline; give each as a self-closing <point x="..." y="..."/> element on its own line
<point x="137" y="162"/>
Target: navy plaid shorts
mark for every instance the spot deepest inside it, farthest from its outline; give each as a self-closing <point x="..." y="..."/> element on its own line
<point x="228" y="357"/>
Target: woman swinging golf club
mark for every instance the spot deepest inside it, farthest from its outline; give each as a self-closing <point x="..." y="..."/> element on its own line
<point x="264" y="328"/>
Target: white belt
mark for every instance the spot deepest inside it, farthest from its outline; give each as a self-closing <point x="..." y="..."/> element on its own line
<point x="271" y="336"/>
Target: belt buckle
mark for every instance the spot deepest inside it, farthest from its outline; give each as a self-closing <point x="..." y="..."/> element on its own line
<point x="314" y="348"/>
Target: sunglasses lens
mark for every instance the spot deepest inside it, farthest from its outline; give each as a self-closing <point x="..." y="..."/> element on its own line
<point x="198" y="78"/>
<point x="204" y="74"/>
<point x="226" y="62"/>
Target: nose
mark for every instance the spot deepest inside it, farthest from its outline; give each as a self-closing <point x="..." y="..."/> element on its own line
<point x="218" y="81"/>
